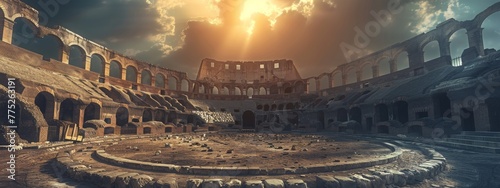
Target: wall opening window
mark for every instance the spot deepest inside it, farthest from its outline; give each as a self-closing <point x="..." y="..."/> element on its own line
<point x="262" y="66"/>
<point x="238" y="67"/>
<point x="276" y="65"/>
<point x="212" y="64"/>
<point x="226" y="66"/>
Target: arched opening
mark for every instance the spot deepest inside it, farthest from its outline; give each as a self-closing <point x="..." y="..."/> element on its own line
<point x="129" y="129"/>
<point x="442" y="105"/>
<point x="215" y="90"/>
<point x="366" y="72"/>
<point x="467" y="119"/>
<point x="324" y="82"/>
<point x="147" y="115"/>
<point x="49" y="46"/>
<point x="369" y="123"/>
<point x="342" y="115"/>
<point x="115" y="69"/>
<point x="168" y="129"/>
<point x="146" y="130"/>
<point x="92" y="111"/>
<point x="131" y="74"/>
<point x="273" y="90"/>
<point x="77" y="56"/>
<point x="184" y="85"/>
<point x="381" y="113"/>
<point x="299" y="88"/>
<point x="225" y="91"/>
<point x="160" y="80"/>
<point x="146" y="77"/>
<point x="491" y="33"/>
<point x="281" y="106"/>
<point x="402" y="61"/>
<point x="248" y="120"/>
<point x="45" y="102"/>
<point x="311" y="86"/>
<point x="172" y="83"/>
<point x="274" y="107"/>
<point x="160" y="116"/>
<point x="383" y="129"/>
<point x="266" y="107"/>
<point x="321" y="120"/>
<point x="400" y="111"/>
<point x="250" y="92"/>
<point x="431" y="51"/>
<point x="262" y="91"/>
<point x="384" y="67"/>
<point x="121" y="116"/>
<point x="237" y="91"/>
<point x="289" y="106"/>
<point x="351" y="76"/>
<point x="415" y="130"/>
<point x="201" y="88"/>
<point x="355" y="114"/>
<point x="97" y="64"/>
<point x="459" y="41"/>
<point x="172" y="117"/>
<point x="288" y="90"/>
<point x="68" y="111"/>
<point x="494" y="113"/>
<point x="109" y="130"/>
<point x="24" y="35"/>
<point x="337" y="79"/>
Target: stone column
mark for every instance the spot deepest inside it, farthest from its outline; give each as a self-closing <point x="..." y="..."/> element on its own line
<point x="416" y="57"/>
<point x="65" y="55"/>
<point x="358" y="76"/>
<point x="124" y="73"/>
<point x="393" y="66"/>
<point x="375" y="71"/>
<point x="179" y="86"/>
<point x="153" y="81"/>
<point x="330" y="81"/>
<point x="106" y="68"/>
<point x="87" y="60"/>
<point x="444" y="46"/>
<point x="139" y="78"/>
<point x="344" y="79"/>
<point x="318" y="84"/>
<point x="7" y="29"/>
<point x="475" y="36"/>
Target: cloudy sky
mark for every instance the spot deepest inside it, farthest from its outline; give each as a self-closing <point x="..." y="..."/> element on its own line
<point x="178" y="34"/>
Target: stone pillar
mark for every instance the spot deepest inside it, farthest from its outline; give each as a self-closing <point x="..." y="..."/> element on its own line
<point x="444" y="46"/>
<point x="165" y="81"/>
<point x="87" y="60"/>
<point x="7" y="29"/>
<point x="358" y="76"/>
<point x="393" y="67"/>
<point x="106" y="69"/>
<point x="416" y="57"/>
<point x="475" y="36"/>
<point x="81" y="114"/>
<point x="179" y="86"/>
<point x="124" y="73"/>
<point x="153" y="81"/>
<point x="330" y="81"/>
<point x="65" y="55"/>
<point x="344" y="79"/>
<point x="375" y="71"/>
<point x="318" y="84"/>
<point x="139" y="78"/>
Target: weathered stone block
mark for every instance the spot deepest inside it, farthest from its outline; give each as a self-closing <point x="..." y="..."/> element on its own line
<point x="274" y="183"/>
<point x="327" y="182"/>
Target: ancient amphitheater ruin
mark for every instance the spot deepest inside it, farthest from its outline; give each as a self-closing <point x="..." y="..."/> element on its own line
<point x="421" y="123"/>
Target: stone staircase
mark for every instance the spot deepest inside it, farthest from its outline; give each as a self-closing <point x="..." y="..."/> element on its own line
<point x="483" y="142"/>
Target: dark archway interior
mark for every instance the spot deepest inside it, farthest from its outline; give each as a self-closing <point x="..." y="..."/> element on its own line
<point x="45" y="102"/>
<point x="442" y="105"/>
<point x="494" y="114"/>
<point x="109" y="130"/>
<point x="400" y="111"/>
<point x="342" y="115"/>
<point x="415" y="130"/>
<point x="68" y="111"/>
<point x="92" y="111"/>
<point x="467" y="119"/>
<point x="171" y="117"/>
<point x="383" y="129"/>
<point x="121" y="116"/>
<point x="248" y="120"/>
<point x="355" y="114"/>
<point x="382" y="113"/>
<point x="147" y="116"/>
<point x="146" y="130"/>
<point x="321" y="119"/>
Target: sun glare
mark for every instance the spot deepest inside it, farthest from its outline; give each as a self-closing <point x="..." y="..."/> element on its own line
<point x="252" y="7"/>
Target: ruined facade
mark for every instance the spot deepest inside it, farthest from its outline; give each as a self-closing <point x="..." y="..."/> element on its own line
<point x="88" y="84"/>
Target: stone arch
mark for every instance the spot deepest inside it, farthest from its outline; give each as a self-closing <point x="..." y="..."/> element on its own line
<point x="400" y="111"/>
<point x="459" y="41"/>
<point x="24" y="32"/>
<point x="172" y="82"/>
<point x="381" y="113"/>
<point x="185" y="86"/>
<point x="69" y="111"/>
<point x="351" y="76"/>
<point x="30" y="17"/>
<point x="248" y="118"/>
<point x="122" y="116"/>
<point x="337" y="79"/>
<point x="273" y="90"/>
<point x="324" y="82"/>
<point x="77" y="56"/>
<point x="160" y="80"/>
<point x="366" y="71"/>
<point x="146" y="77"/>
<point x="92" y="111"/>
<point x="266" y="107"/>
<point x="311" y="86"/>
<point x="299" y="87"/>
<point x="262" y="91"/>
<point x="147" y="115"/>
<point x="46" y="103"/>
<point x="201" y="88"/>
<point x="402" y="60"/>
<point x="131" y="74"/>
<point x="383" y="66"/>
<point x="274" y="107"/>
<point x="355" y="114"/>
<point x="289" y="106"/>
<point x="215" y="90"/>
<point x="237" y="91"/>
<point x="250" y="92"/>
<point x="115" y="69"/>
<point x="97" y="63"/>
<point x="342" y="115"/>
<point x="281" y="106"/>
<point x="431" y="50"/>
<point x="159" y="116"/>
<point x="481" y="17"/>
<point x="224" y="91"/>
<point x="490" y="31"/>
